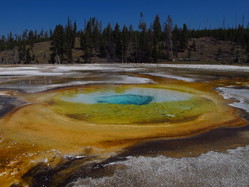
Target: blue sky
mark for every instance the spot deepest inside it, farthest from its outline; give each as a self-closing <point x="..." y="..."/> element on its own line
<point x="17" y="15"/>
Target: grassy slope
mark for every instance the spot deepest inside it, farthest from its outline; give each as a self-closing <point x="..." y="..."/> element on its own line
<point x="206" y="52"/>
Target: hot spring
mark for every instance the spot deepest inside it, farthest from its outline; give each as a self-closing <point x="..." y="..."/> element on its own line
<point x="56" y="129"/>
<point x="136" y="96"/>
<point x="126" y="99"/>
<point x="130" y="105"/>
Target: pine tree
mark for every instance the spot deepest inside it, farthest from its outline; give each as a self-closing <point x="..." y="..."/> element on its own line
<point x="154" y="54"/>
<point x="96" y="34"/>
<point x="109" y="42"/>
<point x="144" y="52"/>
<point x="184" y="37"/>
<point x="31" y="35"/>
<point x="125" y="43"/>
<point x="58" y="44"/>
<point x="85" y="41"/>
<point x="168" y="39"/>
<point x="69" y="43"/>
<point x="74" y="33"/>
<point x="117" y="42"/>
<point x="142" y="24"/>
<point x="157" y="29"/>
<point x="25" y="35"/>
<point x="156" y="38"/>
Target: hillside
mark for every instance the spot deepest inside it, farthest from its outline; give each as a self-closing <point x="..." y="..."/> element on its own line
<point x="199" y="50"/>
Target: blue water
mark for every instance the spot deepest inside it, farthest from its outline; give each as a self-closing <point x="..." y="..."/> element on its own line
<point x="126" y="99"/>
<point x="136" y="96"/>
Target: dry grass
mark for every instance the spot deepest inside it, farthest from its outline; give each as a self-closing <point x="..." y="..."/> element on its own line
<point x="208" y="50"/>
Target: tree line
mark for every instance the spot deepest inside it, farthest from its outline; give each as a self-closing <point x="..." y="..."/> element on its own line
<point x="23" y="44"/>
<point x="239" y="35"/>
<point x="161" y="40"/>
<point x="120" y="43"/>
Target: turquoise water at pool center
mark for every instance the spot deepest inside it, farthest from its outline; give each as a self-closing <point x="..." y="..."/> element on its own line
<point x="136" y="96"/>
<point x="126" y="99"/>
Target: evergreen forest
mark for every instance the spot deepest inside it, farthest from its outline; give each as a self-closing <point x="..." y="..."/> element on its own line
<point x="162" y="40"/>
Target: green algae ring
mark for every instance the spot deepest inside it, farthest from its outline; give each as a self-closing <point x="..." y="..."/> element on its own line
<point x="132" y="105"/>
